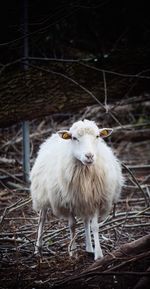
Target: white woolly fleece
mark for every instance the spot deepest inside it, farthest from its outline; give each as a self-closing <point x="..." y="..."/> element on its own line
<point x="61" y="180"/>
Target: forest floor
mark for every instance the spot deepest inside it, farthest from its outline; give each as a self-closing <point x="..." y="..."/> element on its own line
<point x="20" y="268"/>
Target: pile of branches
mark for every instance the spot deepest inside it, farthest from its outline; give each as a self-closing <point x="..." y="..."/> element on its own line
<point x="127" y="251"/>
<point x="125" y="264"/>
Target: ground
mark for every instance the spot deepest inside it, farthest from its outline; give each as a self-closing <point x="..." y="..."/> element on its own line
<point x="20" y="268"/>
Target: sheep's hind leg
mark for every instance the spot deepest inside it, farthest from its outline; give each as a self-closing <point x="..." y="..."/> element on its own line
<point x="42" y="219"/>
<point x="89" y="247"/>
<point x="72" y="227"/>
<point x="95" y="229"/>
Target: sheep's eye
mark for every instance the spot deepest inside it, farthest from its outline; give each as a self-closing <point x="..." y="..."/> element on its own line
<point x="97" y="136"/>
<point x="74" y="138"/>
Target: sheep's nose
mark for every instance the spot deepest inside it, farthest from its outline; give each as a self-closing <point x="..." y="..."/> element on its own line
<point x="89" y="156"/>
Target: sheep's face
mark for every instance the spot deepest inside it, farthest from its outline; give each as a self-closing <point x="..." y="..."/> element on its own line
<point x="84" y="137"/>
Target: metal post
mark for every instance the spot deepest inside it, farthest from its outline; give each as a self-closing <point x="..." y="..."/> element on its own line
<point x="26" y="150"/>
<point x="25" y="125"/>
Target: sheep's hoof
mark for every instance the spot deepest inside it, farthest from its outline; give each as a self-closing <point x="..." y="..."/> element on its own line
<point x="98" y="256"/>
<point x="38" y="251"/>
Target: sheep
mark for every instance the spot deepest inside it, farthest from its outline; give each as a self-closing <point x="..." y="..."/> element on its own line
<point x="76" y="174"/>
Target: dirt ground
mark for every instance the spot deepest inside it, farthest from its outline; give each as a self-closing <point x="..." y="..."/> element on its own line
<point x="20" y="268"/>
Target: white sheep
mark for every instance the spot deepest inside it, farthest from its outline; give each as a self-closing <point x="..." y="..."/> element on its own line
<point x="76" y="174"/>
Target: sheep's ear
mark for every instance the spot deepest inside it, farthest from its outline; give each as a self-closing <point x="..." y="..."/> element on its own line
<point x="105" y="132"/>
<point x="64" y="134"/>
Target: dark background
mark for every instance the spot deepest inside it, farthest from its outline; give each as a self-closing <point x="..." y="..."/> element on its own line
<point x="111" y="36"/>
<point x="98" y="27"/>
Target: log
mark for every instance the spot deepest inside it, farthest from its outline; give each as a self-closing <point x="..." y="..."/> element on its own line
<point x="112" y="264"/>
<point x="127" y="250"/>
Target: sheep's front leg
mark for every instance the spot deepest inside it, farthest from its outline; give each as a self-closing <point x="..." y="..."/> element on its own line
<point x="42" y="219"/>
<point x="95" y="229"/>
<point x="72" y="227"/>
<point x="89" y="247"/>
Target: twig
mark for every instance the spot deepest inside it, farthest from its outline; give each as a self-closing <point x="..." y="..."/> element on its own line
<point x="138" y="75"/>
<point x="6" y="211"/>
<point x="105" y="91"/>
<point x="135" y="180"/>
<point x="12" y="176"/>
<point x="71" y="242"/>
<point x="137" y="225"/>
<point x="19" y="204"/>
<point x="143" y="166"/>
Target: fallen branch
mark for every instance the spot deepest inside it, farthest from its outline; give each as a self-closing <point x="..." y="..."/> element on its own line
<point x="127" y="250"/>
<point x="127" y="253"/>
